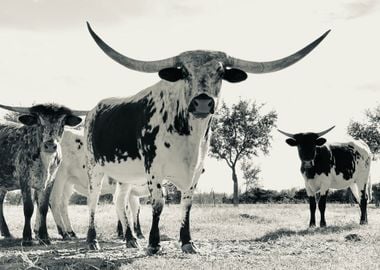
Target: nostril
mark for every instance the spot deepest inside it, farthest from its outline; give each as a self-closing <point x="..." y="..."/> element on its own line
<point x="196" y="103"/>
<point x="210" y="104"/>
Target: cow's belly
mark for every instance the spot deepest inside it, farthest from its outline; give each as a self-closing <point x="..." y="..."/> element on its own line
<point x="130" y="171"/>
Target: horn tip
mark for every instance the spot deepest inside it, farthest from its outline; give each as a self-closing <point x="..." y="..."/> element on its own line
<point x="88" y="25"/>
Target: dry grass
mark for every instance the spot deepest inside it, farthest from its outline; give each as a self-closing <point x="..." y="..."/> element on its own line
<point x="247" y="237"/>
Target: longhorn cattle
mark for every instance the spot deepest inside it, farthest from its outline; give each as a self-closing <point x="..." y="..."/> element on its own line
<point x="164" y="130"/>
<point x="72" y="176"/>
<point x="332" y="165"/>
<point x="29" y="158"/>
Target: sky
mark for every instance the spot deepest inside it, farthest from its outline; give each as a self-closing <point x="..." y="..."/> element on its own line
<point x="47" y="55"/>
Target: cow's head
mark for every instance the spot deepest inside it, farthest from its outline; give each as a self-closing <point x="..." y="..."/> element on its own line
<point x="49" y="120"/>
<point x="203" y="71"/>
<point x="306" y="144"/>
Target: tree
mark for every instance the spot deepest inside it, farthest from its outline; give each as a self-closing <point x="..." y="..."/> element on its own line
<point x="250" y="174"/>
<point x="369" y="131"/>
<point x="241" y="131"/>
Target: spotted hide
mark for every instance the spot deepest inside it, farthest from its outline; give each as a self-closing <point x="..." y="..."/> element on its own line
<point x="162" y="132"/>
<point x="29" y="158"/>
<point x="72" y="176"/>
<point x="333" y="165"/>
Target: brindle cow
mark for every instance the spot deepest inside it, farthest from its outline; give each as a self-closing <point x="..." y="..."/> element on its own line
<point x="29" y="158"/>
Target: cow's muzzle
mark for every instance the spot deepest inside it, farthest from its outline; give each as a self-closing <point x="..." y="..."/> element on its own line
<point x="50" y="146"/>
<point x="201" y="106"/>
<point x="308" y="163"/>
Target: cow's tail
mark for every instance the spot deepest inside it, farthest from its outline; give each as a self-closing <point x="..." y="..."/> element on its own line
<point x="369" y="186"/>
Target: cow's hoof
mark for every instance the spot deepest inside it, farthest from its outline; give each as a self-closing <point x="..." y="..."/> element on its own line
<point x="66" y="237"/>
<point x="27" y="243"/>
<point x="132" y="243"/>
<point x="44" y="242"/>
<point x="311" y="225"/>
<point x="363" y="222"/>
<point x="72" y="235"/>
<point x="94" y="245"/>
<point x="189" y="248"/>
<point x="323" y="224"/>
<point x="140" y="236"/>
<point x="153" y="250"/>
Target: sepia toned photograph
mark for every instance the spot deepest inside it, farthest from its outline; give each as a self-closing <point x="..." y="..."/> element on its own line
<point x="189" y="134"/>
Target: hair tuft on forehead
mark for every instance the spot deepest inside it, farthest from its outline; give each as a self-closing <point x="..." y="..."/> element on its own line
<point x="50" y="109"/>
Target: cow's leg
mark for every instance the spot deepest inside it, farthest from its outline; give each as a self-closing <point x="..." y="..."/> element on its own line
<point x="43" y="197"/>
<point x="56" y="206"/>
<point x="186" y="203"/>
<point x="3" y="225"/>
<point x="157" y="199"/>
<point x="94" y="188"/>
<point x="67" y="192"/>
<point x="119" y="230"/>
<point x="134" y="206"/>
<point x="322" y="207"/>
<point x="312" y="204"/>
<point x="131" y="241"/>
<point x="363" y="205"/>
<point x="313" y="207"/>
<point x="28" y="212"/>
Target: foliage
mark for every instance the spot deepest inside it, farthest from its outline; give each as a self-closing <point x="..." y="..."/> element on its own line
<point x="369" y="131"/>
<point x="250" y="174"/>
<point x="241" y="132"/>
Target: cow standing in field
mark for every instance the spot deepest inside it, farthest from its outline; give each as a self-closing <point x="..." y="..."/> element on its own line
<point x="336" y="166"/>
<point x="29" y="158"/>
<point x="72" y="176"/>
<point x="163" y="131"/>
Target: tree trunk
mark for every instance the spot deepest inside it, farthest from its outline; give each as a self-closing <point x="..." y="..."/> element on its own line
<point x="236" y="188"/>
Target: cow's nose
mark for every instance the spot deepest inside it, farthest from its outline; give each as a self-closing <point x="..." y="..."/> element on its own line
<point x="202" y="105"/>
<point x="50" y="146"/>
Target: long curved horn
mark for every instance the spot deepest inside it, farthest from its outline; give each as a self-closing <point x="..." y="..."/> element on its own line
<point x="271" y="66"/>
<point x="286" y="134"/>
<point x="320" y="134"/>
<point x="144" y="66"/>
<point x="79" y="113"/>
<point x="16" y="109"/>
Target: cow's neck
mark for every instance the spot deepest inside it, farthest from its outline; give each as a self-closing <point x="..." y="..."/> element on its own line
<point x="30" y="165"/>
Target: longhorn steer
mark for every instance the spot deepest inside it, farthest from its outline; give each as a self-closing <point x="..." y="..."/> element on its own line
<point x="163" y="131"/>
<point x="72" y="176"/>
<point x="29" y="158"/>
<point x="336" y="166"/>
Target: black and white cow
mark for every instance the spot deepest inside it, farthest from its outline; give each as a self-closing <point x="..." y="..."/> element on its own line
<point x="162" y="132"/>
<point x="29" y="158"/>
<point x="332" y="165"/>
<point x="72" y="176"/>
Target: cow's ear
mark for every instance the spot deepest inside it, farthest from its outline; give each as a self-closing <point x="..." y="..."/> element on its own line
<point x="234" y="75"/>
<point x="291" y="142"/>
<point x="171" y="74"/>
<point x="320" y="141"/>
<point x="28" y="119"/>
<point x="72" y="120"/>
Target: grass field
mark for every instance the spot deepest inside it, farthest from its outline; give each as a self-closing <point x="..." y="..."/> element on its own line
<point x="247" y="237"/>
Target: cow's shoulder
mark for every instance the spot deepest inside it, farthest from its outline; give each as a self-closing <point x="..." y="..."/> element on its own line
<point x="119" y="127"/>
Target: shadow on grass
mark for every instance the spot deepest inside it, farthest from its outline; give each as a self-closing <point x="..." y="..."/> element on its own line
<point x="283" y="232"/>
<point x="68" y="255"/>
